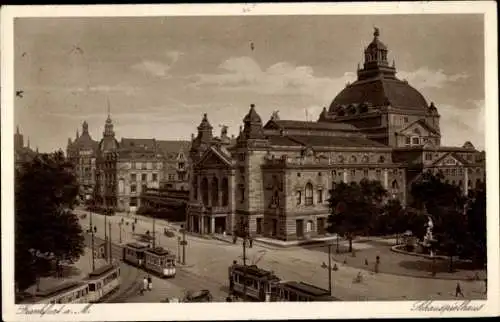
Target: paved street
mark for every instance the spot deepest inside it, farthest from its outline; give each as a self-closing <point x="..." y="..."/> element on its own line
<point x="208" y="261"/>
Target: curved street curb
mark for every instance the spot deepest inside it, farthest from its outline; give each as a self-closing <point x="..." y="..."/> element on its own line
<point x="450" y="278"/>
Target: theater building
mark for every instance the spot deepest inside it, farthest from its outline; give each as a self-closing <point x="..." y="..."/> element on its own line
<point x="275" y="177"/>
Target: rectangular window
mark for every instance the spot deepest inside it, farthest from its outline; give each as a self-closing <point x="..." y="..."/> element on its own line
<point x="453" y="172"/>
<point x="405" y="119"/>
<point x="320" y="196"/>
<point x="428" y="156"/>
<point x="181" y="165"/>
<point x="353" y="173"/>
<point x="299" y="197"/>
<point x="144" y="166"/>
<point x="415" y="140"/>
<point x="242" y="193"/>
<point x="378" y="173"/>
<point x="171" y="177"/>
<point x="407" y="140"/>
<point x="133" y="202"/>
<point x="133" y="188"/>
<point x="144" y="177"/>
<point x="144" y="188"/>
<point x="155" y="177"/>
<point x="365" y="173"/>
<point x="133" y="177"/>
<point x="133" y="165"/>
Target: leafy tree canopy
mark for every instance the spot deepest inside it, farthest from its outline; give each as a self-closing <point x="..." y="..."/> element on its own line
<point x="353" y="206"/>
<point x="46" y="190"/>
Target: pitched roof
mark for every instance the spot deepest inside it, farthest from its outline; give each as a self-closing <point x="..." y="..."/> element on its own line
<point x="293" y="124"/>
<point x="423" y="124"/>
<point x="323" y="141"/>
<point x="137" y="144"/>
<point x="221" y="153"/>
<point x="453" y="155"/>
<point x="170" y="149"/>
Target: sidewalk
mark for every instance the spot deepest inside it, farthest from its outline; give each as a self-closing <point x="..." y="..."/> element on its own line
<point x="71" y="273"/>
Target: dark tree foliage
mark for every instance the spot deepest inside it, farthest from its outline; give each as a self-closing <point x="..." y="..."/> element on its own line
<point x="459" y="221"/>
<point x="46" y="230"/>
<point x="476" y="225"/>
<point x="354" y="207"/>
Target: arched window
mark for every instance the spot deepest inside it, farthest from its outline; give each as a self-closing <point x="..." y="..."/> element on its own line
<point x="195" y="188"/>
<point x="309" y="194"/>
<point x="365" y="159"/>
<point x="215" y="192"/>
<point x="395" y="185"/>
<point x="225" y="192"/>
<point x="381" y="159"/>
<point x="204" y="191"/>
<point x="354" y="159"/>
<point x="341" y="159"/>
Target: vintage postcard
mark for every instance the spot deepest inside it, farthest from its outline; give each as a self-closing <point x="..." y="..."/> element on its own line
<point x="218" y="162"/>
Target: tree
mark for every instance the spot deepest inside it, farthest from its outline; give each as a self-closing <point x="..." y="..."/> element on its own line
<point x="392" y="220"/>
<point x="46" y="230"/>
<point x="476" y="224"/>
<point x="445" y="203"/>
<point x="353" y="208"/>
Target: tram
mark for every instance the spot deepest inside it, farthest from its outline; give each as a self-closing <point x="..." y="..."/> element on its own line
<point x="156" y="260"/>
<point x="73" y="292"/>
<point x="254" y="283"/>
<point x="292" y="291"/>
<point x="102" y="282"/>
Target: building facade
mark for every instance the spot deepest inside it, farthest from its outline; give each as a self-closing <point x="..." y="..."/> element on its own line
<point x="22" y="153"/>
<point x="274" y="180"/>
<point x="82" y="152"/>
<point x="126" y="169"/>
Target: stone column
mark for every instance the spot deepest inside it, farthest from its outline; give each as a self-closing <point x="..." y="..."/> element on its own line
<point x="345" y="175"/>
<point x="466" y="181"/>
<point x="201" y="224"/>
<point x="386" y="178"/>
<point x="212" y="225"/>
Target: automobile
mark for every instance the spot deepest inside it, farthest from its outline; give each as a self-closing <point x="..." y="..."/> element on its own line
<point x="200" y="296"/>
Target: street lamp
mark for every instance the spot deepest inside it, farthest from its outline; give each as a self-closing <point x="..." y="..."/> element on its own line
<point x="120" y="224"/>
<point x="92" y="234"/>
<point x="179" y="249"/>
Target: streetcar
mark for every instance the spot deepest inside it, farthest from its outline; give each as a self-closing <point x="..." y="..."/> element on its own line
<point x="156" y="260"/>
<point x="72" y="292"/>
<point x="102" y="282"/>
<point x="254" y="283"/>
<point x="292" y="291"/>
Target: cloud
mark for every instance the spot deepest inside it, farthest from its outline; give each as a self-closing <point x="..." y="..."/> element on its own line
<point x="174" y="55"/>
<point x="459" y="125"/>
<point x="283" y="78"/>
<point x="156" y="68"/>
<point x="426" y="78"/>
<point x="152" y="67"/>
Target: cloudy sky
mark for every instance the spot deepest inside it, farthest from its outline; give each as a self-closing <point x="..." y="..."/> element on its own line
<point x="160" y="75"/>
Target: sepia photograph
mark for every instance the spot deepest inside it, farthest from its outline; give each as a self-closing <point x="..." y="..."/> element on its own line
<point x="175" y="157"/>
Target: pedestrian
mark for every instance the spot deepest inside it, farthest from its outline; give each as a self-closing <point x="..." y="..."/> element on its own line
<point x="458" y="290"/>
<point x="133" y="228"/>
<point x="251" y="242"/>
<point x="144" y="284"/>
<point x="150" y="283"/>
<point x="95" y="229"/>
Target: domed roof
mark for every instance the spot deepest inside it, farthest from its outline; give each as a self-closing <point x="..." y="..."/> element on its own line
<point x="380" y="91"/>
<point x="252" y="116"/>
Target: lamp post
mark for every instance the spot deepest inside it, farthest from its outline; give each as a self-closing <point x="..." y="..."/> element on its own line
<point x="179" y="249"/>
<point x="184" y="244"/>
<point x="92" y="235"/>
<point x="330" y="269"/>
<point x="110" y="254"/>
<point x="120" y="225"/>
